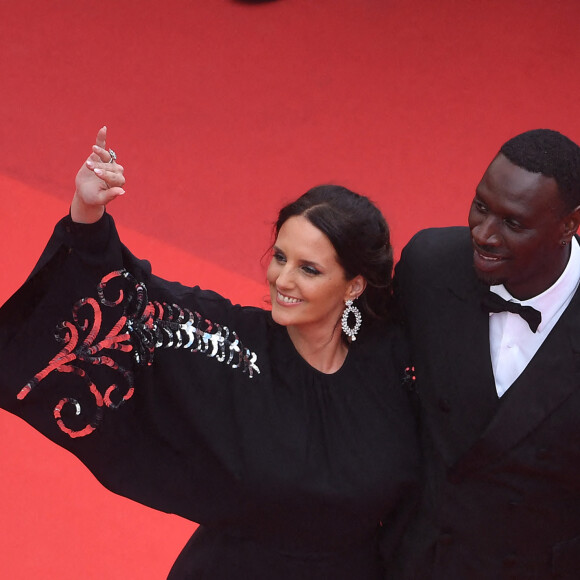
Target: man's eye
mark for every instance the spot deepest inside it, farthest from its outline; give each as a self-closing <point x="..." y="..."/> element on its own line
<point x="513" y="225"/>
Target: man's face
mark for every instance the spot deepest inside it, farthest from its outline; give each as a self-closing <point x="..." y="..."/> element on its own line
<point x="518" y="223"/>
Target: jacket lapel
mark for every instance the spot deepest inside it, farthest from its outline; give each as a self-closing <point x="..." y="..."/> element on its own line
<point x="467" y="394"/>
<point x="550" y="378"/>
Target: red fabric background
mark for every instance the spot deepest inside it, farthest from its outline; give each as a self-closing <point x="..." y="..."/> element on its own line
<point x="222" y="111"/>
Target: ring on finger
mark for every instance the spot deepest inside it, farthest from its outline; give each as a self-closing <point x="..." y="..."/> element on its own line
<point x="113" y="156"/>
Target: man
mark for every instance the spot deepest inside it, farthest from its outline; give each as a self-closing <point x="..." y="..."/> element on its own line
<point x="500" y="396"/>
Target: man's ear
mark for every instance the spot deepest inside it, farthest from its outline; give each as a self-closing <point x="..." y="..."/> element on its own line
<point x="571" y="223"/>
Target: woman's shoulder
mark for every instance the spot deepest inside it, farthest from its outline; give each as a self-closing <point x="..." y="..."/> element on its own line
<point x="383" y="346"/>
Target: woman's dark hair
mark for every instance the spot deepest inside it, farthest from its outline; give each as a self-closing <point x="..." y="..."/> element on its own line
<point x="360" y="235"/>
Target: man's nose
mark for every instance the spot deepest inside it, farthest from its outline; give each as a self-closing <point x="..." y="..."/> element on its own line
<point x="486" y="232"/>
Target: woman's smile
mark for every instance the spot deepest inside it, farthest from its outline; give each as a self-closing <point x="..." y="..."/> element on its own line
<point x="287" y="300"/>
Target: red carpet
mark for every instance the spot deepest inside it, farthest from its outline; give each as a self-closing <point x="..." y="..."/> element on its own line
<point x="222" y="111"/>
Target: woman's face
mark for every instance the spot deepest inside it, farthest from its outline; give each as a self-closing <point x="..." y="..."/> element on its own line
<point x="308" y="287"/>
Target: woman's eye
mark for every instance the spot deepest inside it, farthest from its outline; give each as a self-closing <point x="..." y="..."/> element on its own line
<point x="279" y="257"/>
<point x="311" y="270"/>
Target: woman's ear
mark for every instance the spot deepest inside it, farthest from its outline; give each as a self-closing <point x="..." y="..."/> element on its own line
<point x="355" y="288"/>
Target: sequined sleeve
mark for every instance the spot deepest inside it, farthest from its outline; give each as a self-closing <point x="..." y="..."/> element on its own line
<point x="116" y="365"/>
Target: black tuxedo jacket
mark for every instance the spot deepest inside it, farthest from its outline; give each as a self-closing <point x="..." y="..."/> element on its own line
<point x="502" y="476"/>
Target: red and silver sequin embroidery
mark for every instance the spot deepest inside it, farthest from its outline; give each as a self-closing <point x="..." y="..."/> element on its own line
<point x="142" y="328"/>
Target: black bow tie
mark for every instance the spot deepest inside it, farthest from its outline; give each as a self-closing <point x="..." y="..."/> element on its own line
<point x="491" y="302"/>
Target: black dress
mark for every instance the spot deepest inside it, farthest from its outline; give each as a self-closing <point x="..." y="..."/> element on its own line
<point x="177" y="399"/>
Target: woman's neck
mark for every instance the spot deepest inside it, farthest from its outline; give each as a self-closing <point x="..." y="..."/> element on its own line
<point x="323" y="350"/>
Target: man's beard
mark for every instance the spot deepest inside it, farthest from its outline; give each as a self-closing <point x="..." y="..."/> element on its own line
<point x="488" y="278"/>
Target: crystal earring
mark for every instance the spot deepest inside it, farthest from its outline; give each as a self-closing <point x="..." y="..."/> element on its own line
<point x="351" y="331"/>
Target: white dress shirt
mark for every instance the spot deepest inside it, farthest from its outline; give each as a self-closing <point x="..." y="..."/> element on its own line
<point x="512" y="343"/>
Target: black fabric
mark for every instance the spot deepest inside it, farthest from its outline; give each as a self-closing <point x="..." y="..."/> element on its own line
<point x="289" y="471"/>
<point x="501" y="499"/>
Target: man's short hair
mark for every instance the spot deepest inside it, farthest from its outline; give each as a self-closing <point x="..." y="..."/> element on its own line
<point x="551" y="154"/>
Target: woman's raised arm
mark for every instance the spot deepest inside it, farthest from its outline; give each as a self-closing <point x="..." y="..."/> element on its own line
<point x="99" y="181"/>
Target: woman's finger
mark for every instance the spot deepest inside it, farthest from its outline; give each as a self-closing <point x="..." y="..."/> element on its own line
<point x="101" y="140"/>
<point x="104" y="155"/>
<point x="113" y="168"/>
<point x="112" y="175"/>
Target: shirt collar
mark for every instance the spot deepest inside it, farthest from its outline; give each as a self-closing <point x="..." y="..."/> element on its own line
<point x="551" y="300"/>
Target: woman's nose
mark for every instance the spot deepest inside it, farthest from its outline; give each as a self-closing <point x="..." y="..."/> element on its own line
<point x="284" y="278"/>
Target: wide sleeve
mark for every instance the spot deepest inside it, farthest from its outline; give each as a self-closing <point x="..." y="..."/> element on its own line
<point x="146" y="381"/>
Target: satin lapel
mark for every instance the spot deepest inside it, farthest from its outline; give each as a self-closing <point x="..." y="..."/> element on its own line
<point x="546" y="383"/>
<point x="467" y="388"/>
<point x="467" y="343"/>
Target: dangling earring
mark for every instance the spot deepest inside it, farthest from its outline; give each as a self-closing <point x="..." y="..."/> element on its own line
<point x="351" y="332"/>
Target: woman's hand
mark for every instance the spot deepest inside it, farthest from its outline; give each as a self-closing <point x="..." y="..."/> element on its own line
<point x="97" y="183"/>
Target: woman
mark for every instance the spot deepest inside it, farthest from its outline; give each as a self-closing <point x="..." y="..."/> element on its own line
<point x="286" y="434"/>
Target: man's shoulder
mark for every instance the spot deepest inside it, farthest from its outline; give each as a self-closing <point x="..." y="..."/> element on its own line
<point x="436" y="256"/>
<point x="439" y="242"/>
<point x="441" y="236"/>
